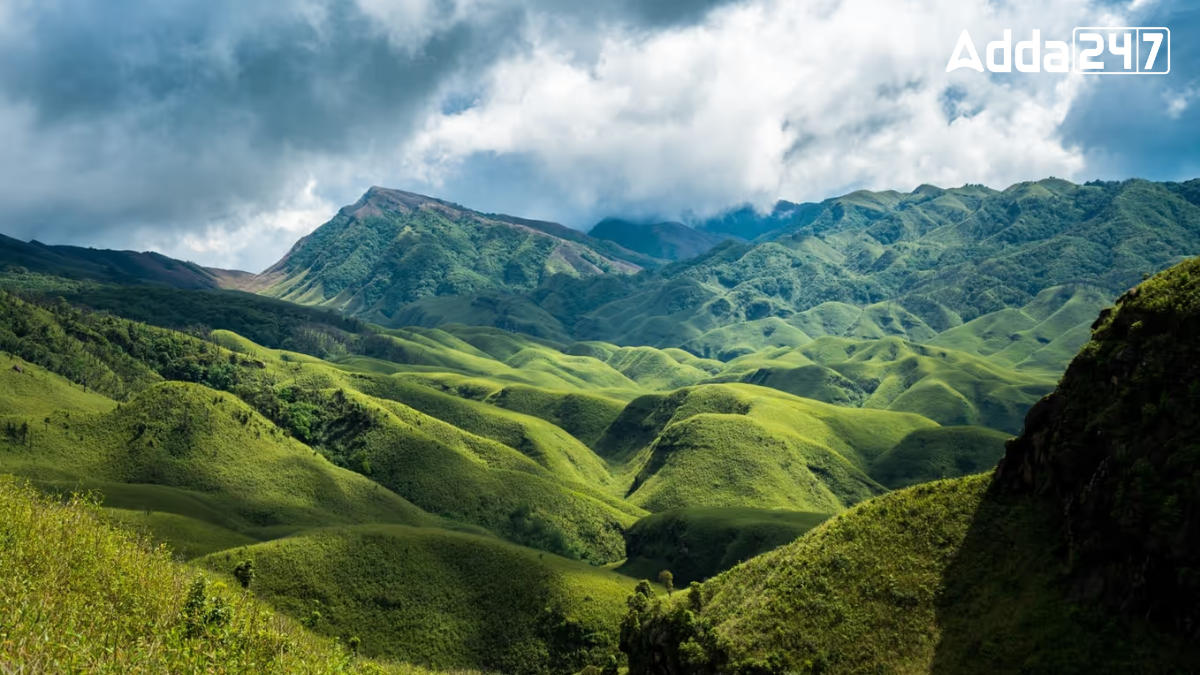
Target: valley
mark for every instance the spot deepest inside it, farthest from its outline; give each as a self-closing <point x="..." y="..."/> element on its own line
<point x="458" y="441"/>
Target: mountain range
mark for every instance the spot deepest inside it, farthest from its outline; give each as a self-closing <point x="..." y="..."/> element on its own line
<point x="434" y="438"/>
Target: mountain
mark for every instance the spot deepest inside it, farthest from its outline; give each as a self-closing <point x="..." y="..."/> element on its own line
<point x="922" y="263"/>
<point x="745" y="223"/>
<point x="113" y="266"/>
<point x="1013" y="273"/>
<point x="477" y="493"/>
<point x="392" y="248"/>
<point x="969" y="261"/>
<point x="1078" y="554"/>
<point x="1115" y="449"/>
<point x="665" y="240"/>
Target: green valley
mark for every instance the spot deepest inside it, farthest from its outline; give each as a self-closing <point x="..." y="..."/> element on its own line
<point x="436" y="438"/>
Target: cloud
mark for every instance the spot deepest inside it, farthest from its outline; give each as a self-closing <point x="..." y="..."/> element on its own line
<point x="763" y="100"/>
<point x="220" y="130"/>
<point x="1146" y="126"/>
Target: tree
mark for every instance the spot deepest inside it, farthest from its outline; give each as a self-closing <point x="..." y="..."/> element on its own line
<point x="244" y="573"/>
<point x="667" y="580"/>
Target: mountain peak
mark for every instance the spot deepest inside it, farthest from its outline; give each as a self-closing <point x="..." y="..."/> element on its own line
<point x="377" y="200"/>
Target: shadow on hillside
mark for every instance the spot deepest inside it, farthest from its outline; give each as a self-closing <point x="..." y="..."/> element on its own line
<point x="1005" y="605"/>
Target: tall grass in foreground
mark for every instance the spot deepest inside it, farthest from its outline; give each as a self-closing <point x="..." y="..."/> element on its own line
<point x="77" y="594"/>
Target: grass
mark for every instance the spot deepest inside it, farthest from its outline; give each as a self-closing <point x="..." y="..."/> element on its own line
<point x="187" y="537"/>
<point x="944" y="577"/>
<point x="79" y="595"/>
<point x="209" y="455"/>
<point x="948" y="386"/>
<point x="27" y="390"/>
<point x="699" y="542"/>
<point x="550" y="446"/>
<point x="1044" y="335"/>
<point x="440" y="598"/>
<point x="476" y="480"/>
<point x="944" y="452"/>
<point x="741" y="445"/>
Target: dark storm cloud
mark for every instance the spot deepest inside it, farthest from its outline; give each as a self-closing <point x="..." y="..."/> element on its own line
<point x="222" y="130"/>
<point x="211" y="102"/>
<point x="136" y="114"/>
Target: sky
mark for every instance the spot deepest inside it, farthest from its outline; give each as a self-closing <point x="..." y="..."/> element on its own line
<point x="221" y="131"/>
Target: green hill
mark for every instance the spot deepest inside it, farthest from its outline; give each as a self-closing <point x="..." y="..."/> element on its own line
<point x="393" y="247"/>
<point x="945" y="385"/>
<point x="82" y="596"/>
<point x="1114" y="449"/>
<point x="445" y="599"/>
<point x="1074" y="556"/>
<point x="944" y="452"/>
<point x="27" y="390"/>
<point x="947" y="577"/>
<point x="188" y="450"/>
<point x="699" y="542"/>
<point x="740" y="445"/>
<point x="922" y="262"/>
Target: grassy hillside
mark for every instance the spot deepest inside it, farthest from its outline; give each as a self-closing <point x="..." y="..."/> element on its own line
<point x="944" y="577"/>
<point x="910" y="265"/>
<point x="544" y="440"/>
<point x="496" y="486"/>
<point x="80" y="595"/>
<point x="27" y="390"/>
<point x="393" y="247"/>
<point x="441" y="598"/>
<point x="1114" y="450"/>
<point x="948" y="386"/>
<point x="473" y="479"/>
<point x="1075" y="555"/>
<point x="699" y="542"/>
<point x="740" y="445"/>
<point x="185" y="449"/>
<point x="945" y="452"/>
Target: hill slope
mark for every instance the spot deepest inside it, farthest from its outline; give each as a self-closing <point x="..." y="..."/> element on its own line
<point x="937" y="258"/>
<point x="185" y="449"/>
<point x="1078" y="555"/>
<point x="394" y="247"/>
<point x="114" y="604"/>
<point x="113" y="266"/>
<point x="441" y="598"/>
<point x="1115" y="448"/>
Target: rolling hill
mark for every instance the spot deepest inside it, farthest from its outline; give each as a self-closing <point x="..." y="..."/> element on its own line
<point x="1073" y="556"/>
<point x="126" y="267"/>
<point x="114" y="603"/>
<point x="442" y="599"/>
<point x="935" y="258"/>
<point x="437" y="492"/>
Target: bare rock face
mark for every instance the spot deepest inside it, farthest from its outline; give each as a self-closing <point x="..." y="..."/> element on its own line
<point x="1117" y="448"/>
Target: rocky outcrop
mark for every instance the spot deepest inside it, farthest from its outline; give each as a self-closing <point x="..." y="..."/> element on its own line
<point x="1117" y="449"/>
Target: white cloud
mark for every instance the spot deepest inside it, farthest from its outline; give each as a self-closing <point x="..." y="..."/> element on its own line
<point x="1179" y="100"/>
<point x="768" y="99"/>
<point x="250" y="237"/>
